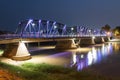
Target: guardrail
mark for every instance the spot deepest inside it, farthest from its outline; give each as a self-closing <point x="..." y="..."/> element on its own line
<point x="10" y="36"/>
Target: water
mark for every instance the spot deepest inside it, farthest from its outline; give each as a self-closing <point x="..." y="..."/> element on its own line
<point x="95" y="55"/>
<point x="80" y="58"/>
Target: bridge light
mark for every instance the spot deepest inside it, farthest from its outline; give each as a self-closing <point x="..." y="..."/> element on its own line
<point x="108" y="33"/>
<point x="82" y="56"/>
<point x="89" y="30"/>
<point x="29" y="21"/>
<point x="47" y="22"/>
<point x="72" y="28"/>
<point x="55" y="27"/>
<point x="93" y="37"/>
<point x="39" y="21"/>
<point x="33" y="24"/>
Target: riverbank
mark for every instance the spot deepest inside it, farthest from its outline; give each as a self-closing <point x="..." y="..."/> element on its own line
<point x="6" y="75"/>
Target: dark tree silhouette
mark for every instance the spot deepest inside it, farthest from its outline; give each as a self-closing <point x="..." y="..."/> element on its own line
<point x="106" y="28"/>
<point x="116" y="31"/>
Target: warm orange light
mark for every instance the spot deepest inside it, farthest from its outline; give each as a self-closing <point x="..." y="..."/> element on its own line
<point x="108" y="33"/>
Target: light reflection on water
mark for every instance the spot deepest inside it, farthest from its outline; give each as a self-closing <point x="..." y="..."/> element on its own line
<point x="95" y="55"/>
<point x="79" y="58"/>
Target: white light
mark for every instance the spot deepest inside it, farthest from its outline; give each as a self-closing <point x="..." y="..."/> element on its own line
<point x="72" y="28"/>
<point x="55" y="27"/>
<point x="33" y="24"/>
<point x="82" y="56"/>
<point x="90" y="58"/>
<point x="89" y="30"/>
<point x="30" y="20"/>
<point x="22" y="50"/>
<point x="74" y="58"/>
<point x="94" y="53"/>
<point x="93" y="37"/>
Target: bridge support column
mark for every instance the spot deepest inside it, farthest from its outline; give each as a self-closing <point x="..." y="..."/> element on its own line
<point x="87" y="41"/>
<point x="17" y="52"/>
<point x="99" y="40"/>
<point x="103" y="40"/>
<point x="107" y="39"/>
<point x="66" y="44"/>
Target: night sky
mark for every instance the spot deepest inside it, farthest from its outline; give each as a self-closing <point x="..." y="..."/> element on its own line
<point x="90" y="13"/>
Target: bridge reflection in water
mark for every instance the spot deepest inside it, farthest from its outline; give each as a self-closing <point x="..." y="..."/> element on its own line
<point x="79" y="58"/>
<point x="95" y="55"/>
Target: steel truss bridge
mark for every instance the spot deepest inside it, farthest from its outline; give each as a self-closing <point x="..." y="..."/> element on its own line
<point x="44" y="30"/>
<point x="51" y="29"/>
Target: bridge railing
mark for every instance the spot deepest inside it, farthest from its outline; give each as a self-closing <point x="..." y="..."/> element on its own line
<point x="12" y="36"/>
<point x="9" y="36"/>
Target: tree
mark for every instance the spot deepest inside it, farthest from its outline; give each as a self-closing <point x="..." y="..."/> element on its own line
<point x="116" y="31"/>
<point x="106" y="28"/>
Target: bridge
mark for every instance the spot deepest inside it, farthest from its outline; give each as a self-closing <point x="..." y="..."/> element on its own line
<point x="44" y="30"/>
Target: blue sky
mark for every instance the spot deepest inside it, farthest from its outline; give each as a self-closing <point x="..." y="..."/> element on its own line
<point x="90" y="13"/>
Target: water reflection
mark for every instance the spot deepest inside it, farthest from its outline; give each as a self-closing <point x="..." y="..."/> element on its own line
<point x="78" y="58"/>
<point x="116" y="47"/>
<point x="95" y="55"/>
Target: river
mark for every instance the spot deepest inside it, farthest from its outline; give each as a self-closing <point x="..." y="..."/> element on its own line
<point x="101" y="58"/>
<point x="80" y="58"/>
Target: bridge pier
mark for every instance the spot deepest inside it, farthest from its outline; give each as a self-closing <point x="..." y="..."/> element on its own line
<point x="107" y="39"/>
<point x="99" y="40"/>
<point x="103" y="40"/>
<point x="66" y="44"/>
<point x="87" y="41"/>
<point x="17" y="51"/>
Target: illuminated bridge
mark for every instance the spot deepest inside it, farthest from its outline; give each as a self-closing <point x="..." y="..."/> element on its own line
<point x="44" y="30"/>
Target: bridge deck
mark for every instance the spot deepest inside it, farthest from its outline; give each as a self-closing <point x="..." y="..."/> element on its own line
<point x="28" y="40"/>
